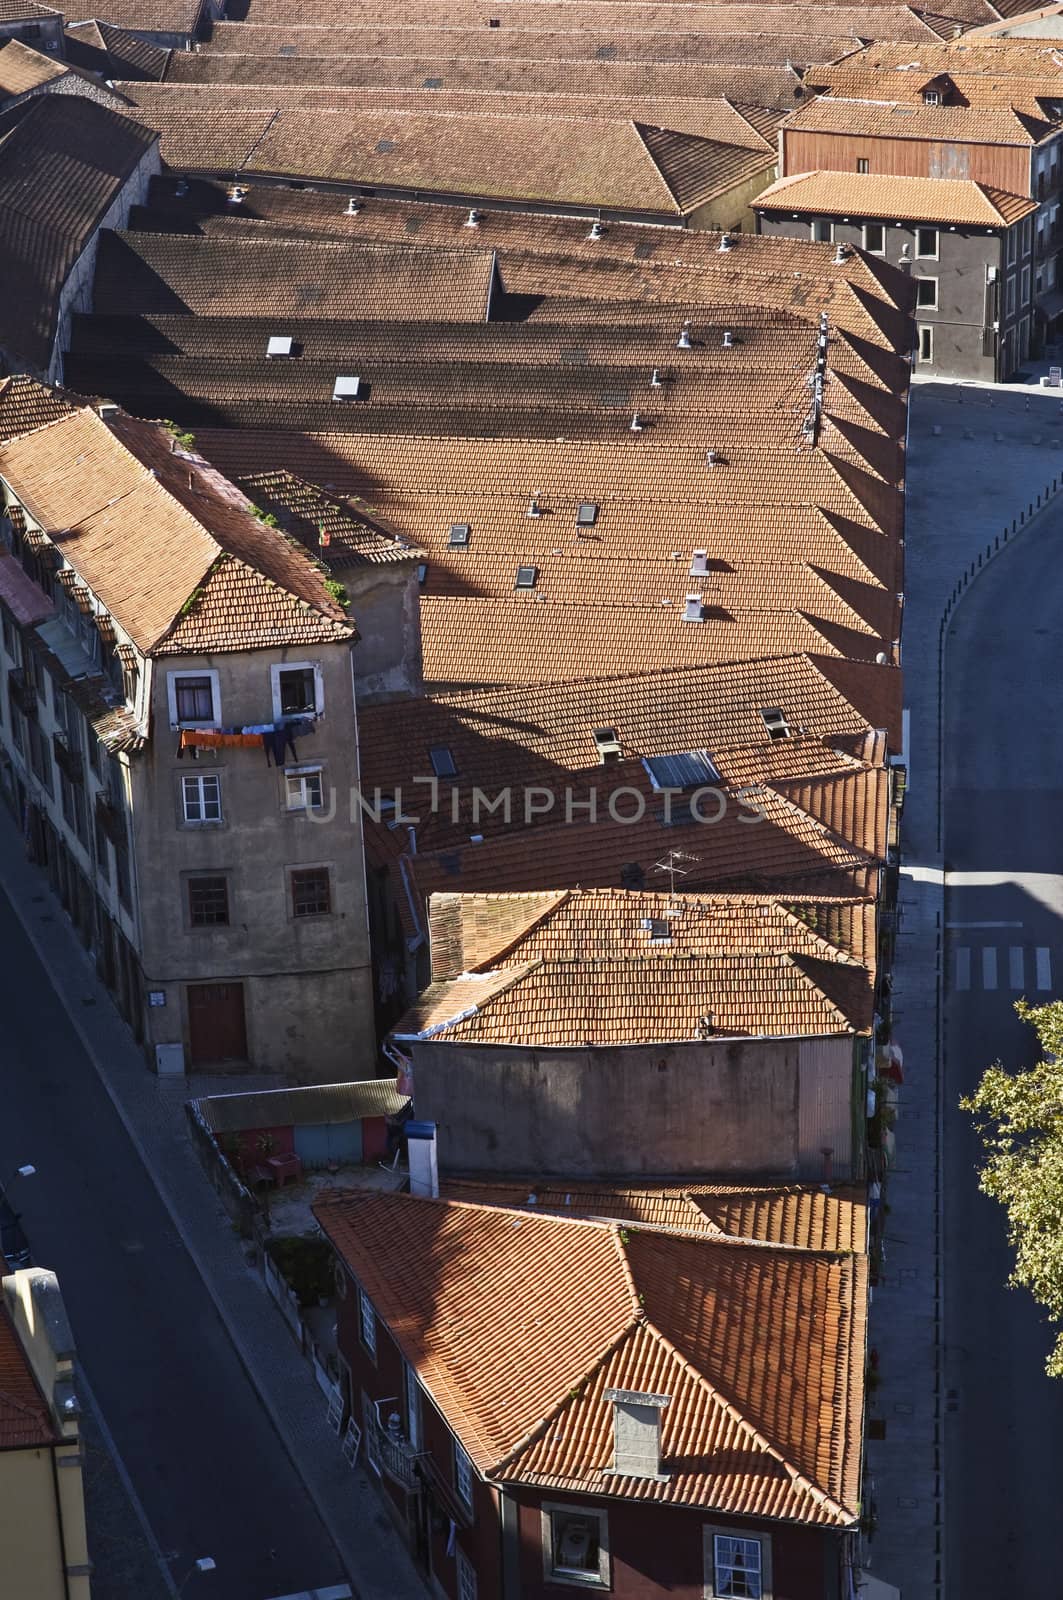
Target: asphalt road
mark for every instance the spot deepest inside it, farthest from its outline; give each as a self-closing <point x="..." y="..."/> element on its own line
<point x="209" y="1469"/>
<point x="1004" y="856"/>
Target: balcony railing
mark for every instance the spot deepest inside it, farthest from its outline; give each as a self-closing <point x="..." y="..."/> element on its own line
<point x="22" y="691"/>
<point x="390" y="1452"/>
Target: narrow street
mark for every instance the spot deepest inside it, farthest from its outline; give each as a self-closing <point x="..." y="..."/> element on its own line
<point x="212" y="1474"/>
<point x="1003" y="846"/>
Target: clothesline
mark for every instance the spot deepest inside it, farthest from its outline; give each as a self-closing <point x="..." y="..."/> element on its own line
<point x="274" y="737"/>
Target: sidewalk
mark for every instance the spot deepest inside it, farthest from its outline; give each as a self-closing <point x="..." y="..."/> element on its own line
<point x="978" y="455"/>
<point x="152" y="1110"/>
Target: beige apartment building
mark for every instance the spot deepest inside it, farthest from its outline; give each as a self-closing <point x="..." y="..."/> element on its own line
<point x="179" y="711"/>
<point x="42" y="1505"/>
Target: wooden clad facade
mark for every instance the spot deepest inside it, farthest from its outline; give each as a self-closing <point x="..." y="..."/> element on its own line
<point x="1005" y="167"/>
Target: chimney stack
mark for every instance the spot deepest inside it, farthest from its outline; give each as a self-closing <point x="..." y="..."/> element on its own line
<point x="637" y="1433"/>
<point x="421" y="1153"/>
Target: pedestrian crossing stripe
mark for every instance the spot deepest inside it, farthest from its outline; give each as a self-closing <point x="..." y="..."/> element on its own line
<point x="982" y="968"/>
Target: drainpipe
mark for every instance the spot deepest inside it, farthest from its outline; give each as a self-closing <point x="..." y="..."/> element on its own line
<point x="59" y="1523"/>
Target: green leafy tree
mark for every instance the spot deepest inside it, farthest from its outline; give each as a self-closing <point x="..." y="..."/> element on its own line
<point x="1019" y="1119"/>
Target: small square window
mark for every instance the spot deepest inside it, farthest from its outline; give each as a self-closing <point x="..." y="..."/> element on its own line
<point x="304" y="788"/>
<point x="443" y="763"/>
<point x="575" y="1546"/>
<point x="463" y="1474"/>
<point x="863" y="164"/>
<point x="193" y="698"/>
<point x="926" y="293"/>
<point x="201" y="797"/>
<point x="208" y="902"/>
<point x="587" y="515"/>
<point x="874" y="238"/>
<point x="367" y="1323"/>
<point x="926" y="244"/>
<point x="526" y="577"/>
<point x="460" y="533"/>
<point x="311" y="892"/>
<point x="931" y="97"/>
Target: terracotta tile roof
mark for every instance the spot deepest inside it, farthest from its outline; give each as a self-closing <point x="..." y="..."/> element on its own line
<point x="62" y="163"/>
<point x="593" y="162"/>
<point x="23" y="69"/>
<point x="144" y="16"/>
<point x="339" y="533"/>
<point x="778" y="87"/>
<point x="26" y="11"/>
<point x="973" y="54"/>
<point x="760" y="1349"/>
<point x="794" y="1214"/>
<point x="1032" y="97"/>
<point x="25" y="1421"/>
<point x="945" y="200"/>
<point x="471" y="932"/>
<point x="26" y="404"/>
<point x="166" y="272"/>
<point x="150" y="529"/>
<point x="903" y="121"/>
<point x="114" y="53"/>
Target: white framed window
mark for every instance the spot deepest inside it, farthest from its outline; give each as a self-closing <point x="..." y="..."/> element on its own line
<point x="926" y="343"/>
<point x="737" y="1565"/>
<point x="1024" y="291"/>
<point x="931" y="97"/>
<point x="926" y="244"/>
<point x="1027" y="235"/>
<point x="1009" y="298"/>
<point x="874" y="238"/>
<point x="926" y="294"/>
<point x="414" y="1426"/>
<point x="367" y="1323"/>
<point x="201" y="797"/>
<point x="1013" y="242"/>
<point x="466" y="1577"/>
<point x="463" y="1474"/>
<point x="298" y="689"/>
<point x="194" y="699"/>
<point x="575" y="1546"/>
<point x="863" y="164"/>
<point x="304" y="788"/>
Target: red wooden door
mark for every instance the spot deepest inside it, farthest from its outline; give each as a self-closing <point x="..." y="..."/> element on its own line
<point x="216" y="1027"/>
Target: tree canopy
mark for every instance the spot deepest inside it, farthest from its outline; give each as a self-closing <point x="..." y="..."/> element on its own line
<point x="1019" y="1119"/>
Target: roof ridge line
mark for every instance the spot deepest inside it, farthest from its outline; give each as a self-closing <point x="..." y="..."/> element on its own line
<point x="796" y="959"/>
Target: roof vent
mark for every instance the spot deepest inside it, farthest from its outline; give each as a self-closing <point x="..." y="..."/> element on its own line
<point x="597" y="231"/>
<point x="693" y="611"/>
<point x="636" y="1432"/>
<point x="882" y="659"/>
<point x="607" y="744"/>
<point x="346" y="388"/>
<point x="460" y="533"/>
<point x="713" y="458"/>
<point x="353" y="207"/>
<point x="684" y="342"/>
<point x="236" y="195"/>
<point x="656" y="381"/>
<point x="635" y="425"/>
<point x="107" y="408"/>
<point x="473" y="219"/>
<point x="726" y="243"/>
<point x="534" y="508"/>
<point x="182" y="188"/>
<point x="278" y="344"/>
<point x="699" y="564"/>
<point x="728" y="339"/>
<point x="841" y="254"/>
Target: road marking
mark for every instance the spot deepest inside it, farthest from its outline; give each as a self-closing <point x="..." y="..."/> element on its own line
<point x="963" y="967"/>
<point x="983" y="924"/>
<point x="989" y="967"/>
<point x="1016" y="967"/>
<point x="1044" y="968"/>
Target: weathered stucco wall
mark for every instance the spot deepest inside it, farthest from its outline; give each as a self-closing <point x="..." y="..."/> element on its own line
<point x="753" y="1106"/>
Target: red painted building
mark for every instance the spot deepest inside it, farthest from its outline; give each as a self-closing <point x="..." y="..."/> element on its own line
<point x="559" y="1402"/>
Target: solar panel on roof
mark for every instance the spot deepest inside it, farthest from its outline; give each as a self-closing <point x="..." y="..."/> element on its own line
<point x="688" y="769"/>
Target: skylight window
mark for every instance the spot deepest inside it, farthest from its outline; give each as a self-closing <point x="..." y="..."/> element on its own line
<point x="587" y="515"/>
<point x="607" y="744"/>
<point x="659" y="929"/>
<point x="687" y="769"/>
<point x="526" y="577"/>
<point x="460" y="533"/>
<point x="775" y="722"/>
<point x="443" y="763"/>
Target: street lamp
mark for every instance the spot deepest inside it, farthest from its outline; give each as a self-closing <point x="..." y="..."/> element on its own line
<point x="204" y="1564"/>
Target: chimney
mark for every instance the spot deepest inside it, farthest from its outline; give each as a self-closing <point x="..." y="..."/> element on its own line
<point x="637" y="1433"/>
<point x="421" y="1154"/>
<point x="684" y="342"/>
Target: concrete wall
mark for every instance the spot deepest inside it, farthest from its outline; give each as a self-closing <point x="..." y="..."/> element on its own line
<point x="72" y="83"/>
<point x="44" y="35"/>
<point x="76" y="294"/>
<point x="385" y="604"/>
<point x="307" y="981"/>
<point x="750" y="1106"/>
<point x="967" y="304"/>
<point x="733" y="209"/>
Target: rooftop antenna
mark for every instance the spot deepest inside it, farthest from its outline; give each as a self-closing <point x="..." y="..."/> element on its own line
<point x="673" y="866"/>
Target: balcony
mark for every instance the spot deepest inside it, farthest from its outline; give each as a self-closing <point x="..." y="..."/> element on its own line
<point x="70" y="762"/>
<point x="390" y="1452"/>
<point x="22" y="692"/>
